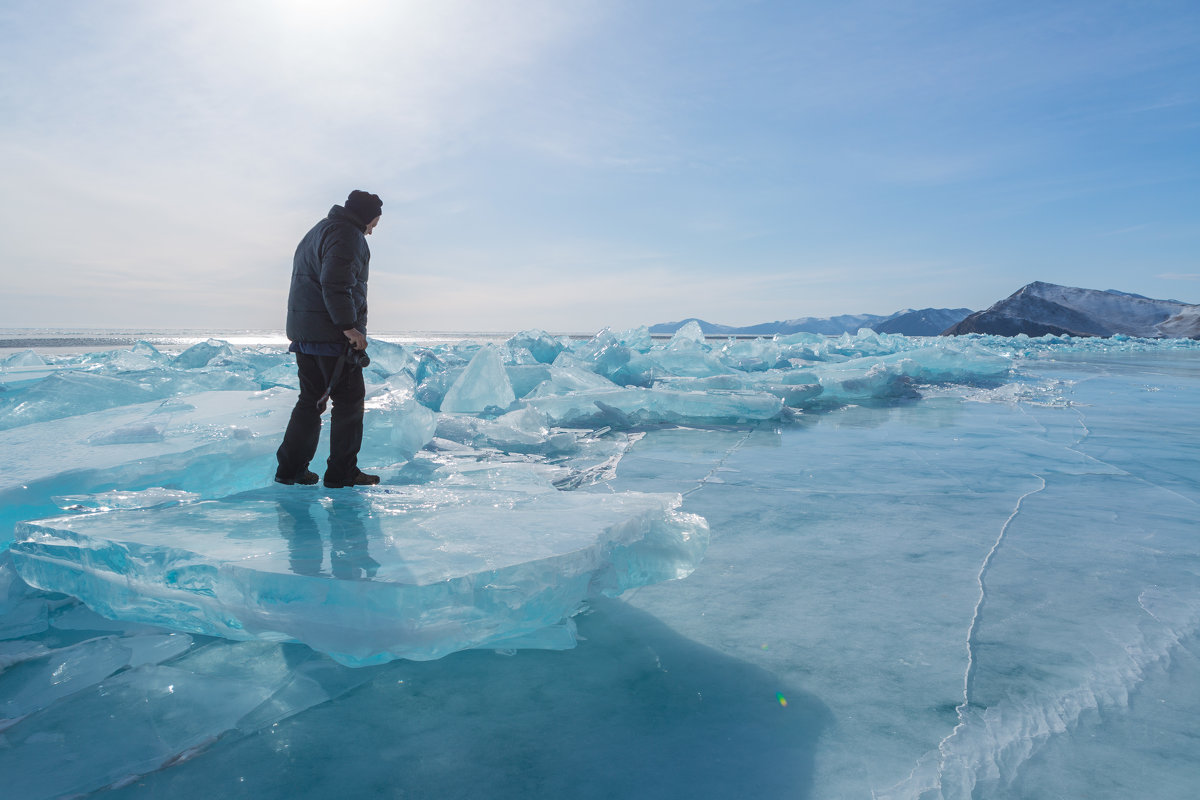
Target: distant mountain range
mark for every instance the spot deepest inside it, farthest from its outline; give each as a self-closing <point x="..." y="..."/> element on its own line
<point x="1046" y="308"/>
<point x="1035" y="310"/>
<point x="923" y="322"/>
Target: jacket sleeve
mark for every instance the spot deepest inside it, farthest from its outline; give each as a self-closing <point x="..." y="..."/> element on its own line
<point x="338" y="279"/>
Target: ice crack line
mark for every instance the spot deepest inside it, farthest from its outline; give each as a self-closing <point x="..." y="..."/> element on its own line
<point x="1074" y="448"/>
<point x="981" y="578"/>
<point x="700" y="483"/>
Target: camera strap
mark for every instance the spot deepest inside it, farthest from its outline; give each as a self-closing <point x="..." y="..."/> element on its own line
<point x="338" y="369"/>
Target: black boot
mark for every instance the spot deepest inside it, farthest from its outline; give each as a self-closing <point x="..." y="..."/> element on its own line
<point x="306" y="478"/>
<point x="361" y="479"/>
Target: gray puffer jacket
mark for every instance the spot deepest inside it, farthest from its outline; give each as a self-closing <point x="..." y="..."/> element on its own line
<point x="329" y="280"/>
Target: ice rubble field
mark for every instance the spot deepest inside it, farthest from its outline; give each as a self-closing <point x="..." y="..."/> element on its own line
<point x="912" y="568"/>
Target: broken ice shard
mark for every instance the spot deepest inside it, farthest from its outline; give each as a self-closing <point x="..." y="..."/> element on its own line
<point x="48" y="675"/>
<point x="22" y="368"/>
<point x="542" y="346"/>
<point x="631" y="407"/>
<point x="482" y="384"/>
<point x="396" y="572"/>
<point x="150" y="715"/>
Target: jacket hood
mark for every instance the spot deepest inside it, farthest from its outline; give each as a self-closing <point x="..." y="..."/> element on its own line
<point x="339" y="212"/>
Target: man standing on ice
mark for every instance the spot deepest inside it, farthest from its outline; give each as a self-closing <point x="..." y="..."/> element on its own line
<point x="327" y="324"/>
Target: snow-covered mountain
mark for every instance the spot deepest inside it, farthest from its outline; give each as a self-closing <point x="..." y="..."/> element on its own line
<point x="922" y="322"/>
<point x="925" y="322"/>
<point x="1184" y="325"/>
<point x="1046" y="308"/>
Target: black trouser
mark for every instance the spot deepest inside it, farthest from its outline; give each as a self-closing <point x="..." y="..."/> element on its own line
<point x="304" y="428"/>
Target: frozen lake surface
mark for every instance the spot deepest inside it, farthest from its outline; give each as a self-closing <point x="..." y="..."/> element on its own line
<point x="934" y="568"/>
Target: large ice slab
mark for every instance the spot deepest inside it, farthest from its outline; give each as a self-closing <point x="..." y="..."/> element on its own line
<point x="495" y="558"/>
<point x="211" y="443"/>
<point x="110" y="439"/>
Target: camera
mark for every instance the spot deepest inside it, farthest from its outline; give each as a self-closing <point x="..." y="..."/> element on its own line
<point x="357" y="358"/>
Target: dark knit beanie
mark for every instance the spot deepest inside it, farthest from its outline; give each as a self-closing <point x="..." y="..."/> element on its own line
<point x="364" y="205"/>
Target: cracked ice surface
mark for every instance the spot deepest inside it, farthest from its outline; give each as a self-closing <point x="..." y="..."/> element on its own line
<point x="968" y="566"/>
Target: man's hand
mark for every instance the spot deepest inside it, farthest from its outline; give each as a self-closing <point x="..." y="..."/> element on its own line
<point x="356" y="338"/>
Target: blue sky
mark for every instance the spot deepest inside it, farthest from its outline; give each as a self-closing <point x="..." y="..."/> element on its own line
<point x="575" y="165"/>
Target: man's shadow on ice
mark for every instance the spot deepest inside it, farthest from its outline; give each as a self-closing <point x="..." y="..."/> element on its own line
<point x="347" y="518"/>
<point x="636" y="710"/>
